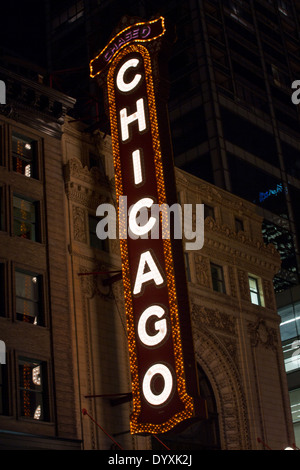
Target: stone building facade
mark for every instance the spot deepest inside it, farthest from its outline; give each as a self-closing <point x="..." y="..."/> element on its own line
<point x="236" y="334"/>
<point x="37" y="389"/>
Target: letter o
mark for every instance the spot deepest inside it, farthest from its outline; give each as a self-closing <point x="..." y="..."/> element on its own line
<point x="161" y="398"/>
<point x="126" y="87"/>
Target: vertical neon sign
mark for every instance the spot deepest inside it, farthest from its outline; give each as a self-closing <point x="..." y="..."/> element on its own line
<point x="161" y="354"/>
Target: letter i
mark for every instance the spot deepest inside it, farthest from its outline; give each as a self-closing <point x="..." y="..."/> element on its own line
<point x="137" y="167"/>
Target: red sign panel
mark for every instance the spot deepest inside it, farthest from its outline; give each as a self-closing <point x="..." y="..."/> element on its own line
<point x="154" y="321"/>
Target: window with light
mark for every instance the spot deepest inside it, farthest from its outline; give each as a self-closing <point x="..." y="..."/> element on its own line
<point x="24" y="155"/>
<point x="32" y="389"/>
<point x="25" y="218"/>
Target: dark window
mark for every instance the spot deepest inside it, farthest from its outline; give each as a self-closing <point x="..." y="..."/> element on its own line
<point x="24" y="154"/>
<point x="25" y="213"/>
<point x="2" y="222"/>
<point x="201" y="166"/>
<point x="217" y="276"/>
<point x="209" y="211"/>
<point x="3" y="390"/>
<point x="33" y="389"/>
<point x="28" y="297"/>
<point x="249" y="137"/>
<point x="2" y="290"/>
<point x="239" y="225"/>
<point x="291" y="157"/>
<point x="187" y="267"/>
<point x="188" y="131"/>
<point x="257" y="186"/>
<point x="97" y="161"/>
<point x="96" y="242"/>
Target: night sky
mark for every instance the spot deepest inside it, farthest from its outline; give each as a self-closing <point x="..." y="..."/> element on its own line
<point x="23" y="30"/>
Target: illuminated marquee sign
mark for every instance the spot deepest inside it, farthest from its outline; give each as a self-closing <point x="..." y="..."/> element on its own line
<point x="158" y="319"/>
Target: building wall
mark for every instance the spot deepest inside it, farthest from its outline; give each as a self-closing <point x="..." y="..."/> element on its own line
<point x="42" y="259"/>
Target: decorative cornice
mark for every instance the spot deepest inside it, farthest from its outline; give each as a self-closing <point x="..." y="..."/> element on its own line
<point x="34" y="104"/>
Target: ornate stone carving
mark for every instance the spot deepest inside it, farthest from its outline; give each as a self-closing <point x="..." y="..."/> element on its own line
<point x="75" y="169"/>
<point x="92" y="284"/>
<point x="243" y="284"/>
<point x="261" y="334"/>
<point x="202" y="270"/>
<point x="214" y="318"/>
<point x="79" y="224"/>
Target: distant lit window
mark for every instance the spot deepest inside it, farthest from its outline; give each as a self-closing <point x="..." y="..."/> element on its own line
<point x="255" y="293"/>
<point x="283" y="7"/>
<point x="32" y="389"/>
<point x="25" y="214"/>
<point x="96" y="242"/>
<point x="70" y="15"/>
<point x="28" y="297"/>
<point x="217" y="275"/>
<point x="291" y="354"/>
<point x="295" y="408"/>
<point x="24" y="155"/>
<point x="290" y="335"/>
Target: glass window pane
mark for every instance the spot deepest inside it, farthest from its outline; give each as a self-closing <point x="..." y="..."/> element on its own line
<point x="28" y="306"/>
<point x="290" y="321"/>
<point x="254" y="298"/>
<point x="291" y="354"/>
<point x="217" y="278"/>
<point x="253" y="284"/>
<point x="24" y="213"/>
<point x="295" y="404"/>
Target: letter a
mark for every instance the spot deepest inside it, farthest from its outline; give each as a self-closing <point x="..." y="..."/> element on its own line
<point x="142" y="276"/>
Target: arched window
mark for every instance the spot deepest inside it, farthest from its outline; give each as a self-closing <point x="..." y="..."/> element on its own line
<point x="202" y="434"/>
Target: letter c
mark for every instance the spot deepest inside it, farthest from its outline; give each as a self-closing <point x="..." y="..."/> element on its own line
<point x="126" y="87"/>
<point x="134" y="227"/>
